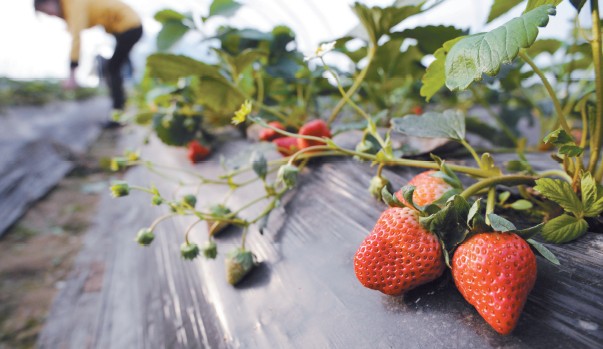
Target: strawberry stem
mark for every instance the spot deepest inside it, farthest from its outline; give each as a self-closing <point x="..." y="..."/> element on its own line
<point x="493" y="181"/>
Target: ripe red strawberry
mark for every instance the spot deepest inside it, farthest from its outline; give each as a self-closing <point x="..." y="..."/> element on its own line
<point x="197" y="152"/>
<point x="286" y="145"/>
<point x="398" y="255"/>
<point x="428" y="188"/>
<point x="495" y="272"/>
<point x="316" y="128"/>
<point x="417" y="110"/>
<point x="267" y="134"/>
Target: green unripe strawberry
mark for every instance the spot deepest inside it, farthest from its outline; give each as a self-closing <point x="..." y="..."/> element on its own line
<point x="287" y="174"/>
<point x="190" y="200"/>
<point x="189" y="251"/>
<point x="238" y="264"/>
<point x="145" y="237"/>
<point x="210" y="250"/>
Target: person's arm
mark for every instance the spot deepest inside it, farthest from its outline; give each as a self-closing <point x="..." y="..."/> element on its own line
<point x="76" y="16"/>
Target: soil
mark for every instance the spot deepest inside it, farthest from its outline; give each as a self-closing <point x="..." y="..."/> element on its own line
<point x="38" y="250"/>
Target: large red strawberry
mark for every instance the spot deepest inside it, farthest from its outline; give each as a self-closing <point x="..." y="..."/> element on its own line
<point x="197" y="152"/>
<point x="316" y="128"/>
<point x="495" y="272"/>
<point x="427" y="188"/>
<point x="398" y="255"/>
<point x="286" y="145"/>
<point x="268" y="134"/>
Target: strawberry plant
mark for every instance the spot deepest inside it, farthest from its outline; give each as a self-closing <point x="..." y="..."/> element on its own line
<point x="438" y="219"/>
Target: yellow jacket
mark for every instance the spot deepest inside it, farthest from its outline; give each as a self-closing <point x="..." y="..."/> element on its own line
<point x="115" y="16"/>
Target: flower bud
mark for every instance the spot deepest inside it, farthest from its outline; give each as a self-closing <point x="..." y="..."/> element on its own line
<point x="119" y="189"/>
<point x="118" y="164"/>
<point x="376" y="186"/>
<point x="156" y="200"/>
<point x="145" y="237"/>
<point x="287" y="174"/>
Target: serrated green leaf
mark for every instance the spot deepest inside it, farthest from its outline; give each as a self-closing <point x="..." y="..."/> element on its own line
<point x="558" y="137"/>
<point x="435" y="76"/>
<point x="560" y="192"/>
<point x="430" y="38"/>
<point x="588" y="186"/>
<point x="378" y="21"/>
<point x="570" y="150"/>
<point x="484" y="53"/>
<point x="530" y="232"/>
<point x="168" y="15"/>
<point x="521" y="205"/>
<point x="532" y="4"/>
<point x="170" y="34"/>
<point x="449" y="124"/>
<point x="549" y="46"/>
<point x="225" y="8"/>
<point x="500" y="7"/>
<point x="501" y="224"/>
<point x="450" y="222"/>
<point x="564" y="228"/>
<point x="544" y="252"/>
<point x="595" y="209"/>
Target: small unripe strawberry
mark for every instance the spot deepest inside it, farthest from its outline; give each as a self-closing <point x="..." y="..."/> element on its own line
<point x="238" y="264"/>
<point x="210" y="250"/>
<point x="316" y="128"/>
<point x="156" y="200"/>
<point x="287" y="146"/>
<point x="119" y="189"/>
<point x="190" y="200"/>
<point x="189" y="251"/>
<point x="197" y="152"/>
<point x="427" y="188"/>
<point x="268" y="135"/>
<point x="145" y="237"/>
<point x="214" y="226"/>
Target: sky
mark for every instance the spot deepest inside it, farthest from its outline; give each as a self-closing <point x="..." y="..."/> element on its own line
<point x="37" y="46"/>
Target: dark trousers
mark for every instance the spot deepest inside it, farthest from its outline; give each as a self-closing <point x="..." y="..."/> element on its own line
<point x="124" y="43"/>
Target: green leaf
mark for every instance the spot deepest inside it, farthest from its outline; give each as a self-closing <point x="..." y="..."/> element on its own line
<point x="530" y="232"/>
<point x="450" y="222"/>
<point x="578" y="4"/>
<point x="499" y="223"/>
<point x="449" y="124"/>
<point x="430" y="38"/>
<point x="170" y="68"/>
<point x="176" y="129"/>
<point x="571" y="150"/>
<point x="549" y="46"/>
<point x="435" y="78"/>
<point x="378" y="21"/>
<point x="564" y="228"/>
<point x="544" y="252"/>
<point x="560" y="192"/>
<point x="558" y="137"/>
<point x="500" y="7"/>
<point x="532" y="4"/>
<point x="225" y="8"/>
<point x="484" y="53"/>
<point x="588" y="187"/>
<point x="259" y="165"/>
<point x="166" y="15"/>
<point x="503" y="197"/>
<point x="170" y="34"/>
<point x="521" y="205"/>
<point x="595" y="209"/>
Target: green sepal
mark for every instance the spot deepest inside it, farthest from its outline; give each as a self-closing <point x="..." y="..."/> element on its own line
<point x="544" y="251"/>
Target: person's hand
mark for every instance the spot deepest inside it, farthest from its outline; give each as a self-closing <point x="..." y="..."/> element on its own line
<point x="70" y="83"/>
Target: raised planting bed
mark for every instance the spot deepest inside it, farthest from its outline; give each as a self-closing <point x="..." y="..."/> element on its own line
<point x="304" y="292"/>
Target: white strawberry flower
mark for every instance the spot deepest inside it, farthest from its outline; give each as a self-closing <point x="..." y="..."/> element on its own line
<point x="321" y="50"/>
